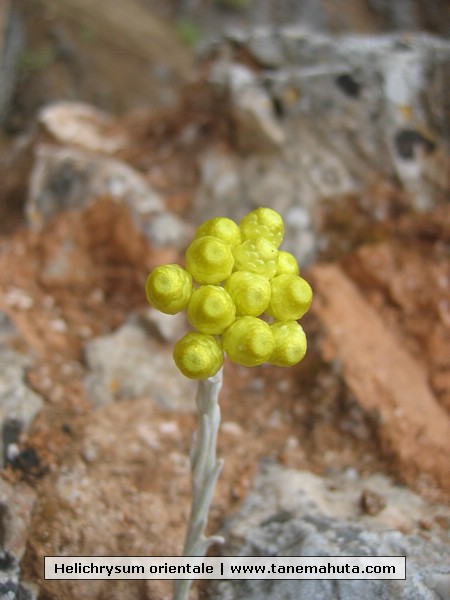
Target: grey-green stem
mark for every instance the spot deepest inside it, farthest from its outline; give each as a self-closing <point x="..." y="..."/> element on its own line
<point x="205" y="469"/>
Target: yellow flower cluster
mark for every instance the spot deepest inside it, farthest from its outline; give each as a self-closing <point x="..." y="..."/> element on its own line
<point x="242" y="275"/>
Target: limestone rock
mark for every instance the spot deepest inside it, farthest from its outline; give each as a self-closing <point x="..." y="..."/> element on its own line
<point x="19" y="405"/>
<point x="7" y="328"/>
<point x="16" y="506"/>
<point x="83" y="126"/>
<point x="256" y="128"/>
<point x="266" y="46"/>
<point x="64" y="178"/>
<point x="294" y="513"/>
<point x="169" y="327"/>
<point x="343" y="109"/>
<point x="130" y="364"/>
<point x="168" y="229"/>
<point x="76" y="176"/>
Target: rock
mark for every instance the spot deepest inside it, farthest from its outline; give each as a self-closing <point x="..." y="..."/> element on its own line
<point x="69" y="177"/>
<point x="83" y="126"/>
<point x="266" y="47"/>
<point x="65" y="178"/>
<point x="300" y="237"/>
<point x="256" y="128"/>
<point x="169" y="327"/>
<point x="333" y="122"/>
<point x="387" y="380"/>
<point x="371" y="502"/>
<point x="16" y="506"/>
<point x="264" y="181"/>
<point x="167" y="229"/>
<point x="19" y="405"/>
<point x="342" y="110"/>
<point x="340" y="17"/>
<point x="295" y="513"/>
<point x="220" y="186"/>
<point x="129" y="364"/>
<point x="7" y="328"/>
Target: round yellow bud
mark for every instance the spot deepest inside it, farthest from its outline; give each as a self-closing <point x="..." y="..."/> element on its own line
<point x="198" y="356"/>
<point x="290" y="343"/>
<point x="169" y="288"/>
<point x="209" y="260"/>
<point x="250" y="292"/>
<point x="263" y="223"/>
<point x="211" y="309"/>
<point x="223" y="228"/>
<point x="291" y="297"/>
<point x="287" y="264"/>
<point x="256" y="256"/>
<point x="248" y="341"/>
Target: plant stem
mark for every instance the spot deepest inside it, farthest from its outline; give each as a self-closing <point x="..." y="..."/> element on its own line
<point x="205" y="470"/>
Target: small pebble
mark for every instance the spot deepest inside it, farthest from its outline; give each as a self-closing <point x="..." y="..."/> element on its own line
<point x="371" y="502"/>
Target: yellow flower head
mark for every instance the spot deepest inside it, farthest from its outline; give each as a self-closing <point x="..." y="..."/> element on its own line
<point x="290" y="343"/>
<point x="169" y="288"/>
<point x="211" y="309"/>
<point x="258" y="279"/>
<point x="248" y="341"/>
<point x="256" y="256"/>
<point x="250" y="292"/>
<point x="223" y="228"/>
<point x="263" y="223"/>
<point x="198" y="356"/>
<point x="291" y="297"/>
<point x="287" y="264"/>
<point x="209" y="260"/>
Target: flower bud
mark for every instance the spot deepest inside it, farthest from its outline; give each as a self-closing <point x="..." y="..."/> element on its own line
<point x="198" y="356"/>
<point x="287" y="264"/>
<point x="211" y="309"/>
<point x="263" y="223"/>
<point x="209" y="260"/>
<point x="256" y="256"/>
<point x="169" y="288"/>
<point x="291" y="298"/>
<point x="223" y="228"/>
<point x="290" y="343"/>
<point x="250" y="292"/>
<point x="248" y="341"/>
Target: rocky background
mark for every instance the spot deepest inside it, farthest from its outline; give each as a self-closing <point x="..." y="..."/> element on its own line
<point x="126" y="124"/>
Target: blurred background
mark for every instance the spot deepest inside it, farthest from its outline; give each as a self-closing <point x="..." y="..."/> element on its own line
<point x="126" y="124"/>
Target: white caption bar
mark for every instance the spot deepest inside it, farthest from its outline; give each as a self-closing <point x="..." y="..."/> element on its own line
<point x="225" y="567"/>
